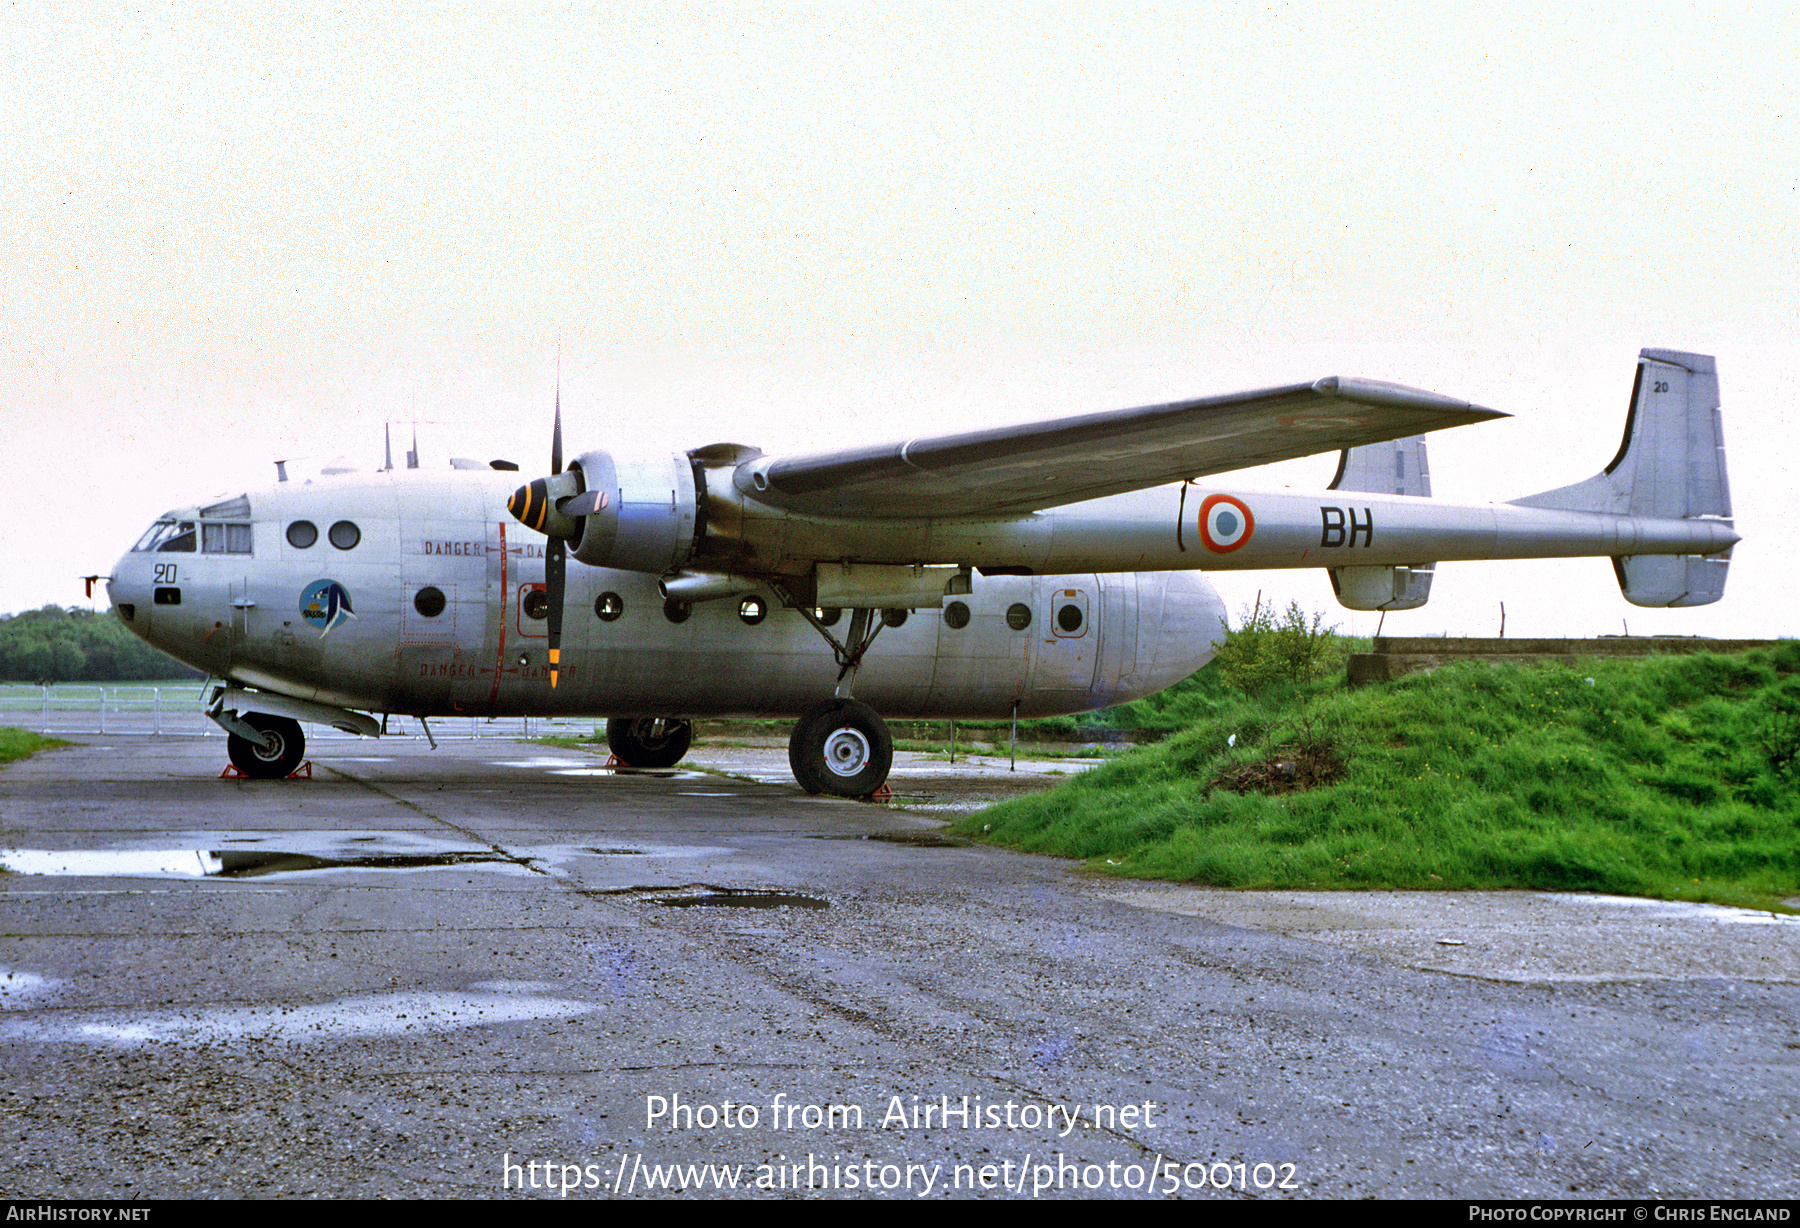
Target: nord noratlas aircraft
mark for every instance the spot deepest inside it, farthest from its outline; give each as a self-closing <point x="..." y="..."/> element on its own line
<point x="1021" y="571"/>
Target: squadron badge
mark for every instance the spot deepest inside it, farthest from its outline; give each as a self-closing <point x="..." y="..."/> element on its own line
<point x="326" y="605"/>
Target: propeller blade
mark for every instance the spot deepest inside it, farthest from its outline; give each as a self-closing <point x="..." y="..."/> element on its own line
<point x="556" y="435"/>
<point x="555" y="564"/>
<point x="585" y="504"/>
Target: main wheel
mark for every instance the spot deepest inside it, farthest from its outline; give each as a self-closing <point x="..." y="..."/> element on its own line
<point x="639" y="743"/>
<point x="841" y="747"/>
<point x="276" y="756"/>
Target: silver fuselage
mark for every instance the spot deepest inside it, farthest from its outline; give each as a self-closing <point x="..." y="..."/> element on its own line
<point x="245" y="617"/>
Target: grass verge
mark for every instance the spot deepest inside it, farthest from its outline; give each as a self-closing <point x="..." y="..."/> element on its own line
<point x="18" y="743"/>
<point x="1674" y="777"/>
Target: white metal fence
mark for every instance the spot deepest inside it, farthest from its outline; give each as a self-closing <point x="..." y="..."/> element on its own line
<point x="71" y="709"/>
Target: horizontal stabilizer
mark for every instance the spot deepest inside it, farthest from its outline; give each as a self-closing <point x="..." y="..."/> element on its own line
<point x="1666" y="580"/>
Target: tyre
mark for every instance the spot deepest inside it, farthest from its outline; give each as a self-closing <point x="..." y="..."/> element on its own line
<point x="276" y="756"/>
<point x="841" y="747"/>
<point x="638" y="743"/>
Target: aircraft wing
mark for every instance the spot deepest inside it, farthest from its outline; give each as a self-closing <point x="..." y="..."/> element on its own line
<point x="1011" y="470"/>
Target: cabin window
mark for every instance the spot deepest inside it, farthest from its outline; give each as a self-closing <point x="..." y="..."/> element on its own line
<point x="828" y="617"/>
<point x="429" y="602"/>
<point x="956" y="616"/>
<point x="608" y="607"/>
<point x="344" y="535"/>
<point x="537" y="604"/>
<point x="893" y="618"/>
<point x="225" y="538"/>
<point x="753" y="610"/>
<point x="1069" y="619"/>
<point x="302" y="534"/>
<point x="1018" y="616"/>
<point x="677" y="611"/>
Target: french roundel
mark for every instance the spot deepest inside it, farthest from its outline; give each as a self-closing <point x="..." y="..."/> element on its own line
<point x="1225" y="523"/>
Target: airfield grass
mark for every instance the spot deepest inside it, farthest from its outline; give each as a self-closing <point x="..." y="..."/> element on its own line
<point x="1675" y="777"/>
<point x="18" y="743"/>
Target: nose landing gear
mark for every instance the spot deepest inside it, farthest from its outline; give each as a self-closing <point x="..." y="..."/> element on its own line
<point x="276" y="756"/>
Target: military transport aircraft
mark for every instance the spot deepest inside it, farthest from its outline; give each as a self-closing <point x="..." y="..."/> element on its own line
<point x="1018" y="571"/>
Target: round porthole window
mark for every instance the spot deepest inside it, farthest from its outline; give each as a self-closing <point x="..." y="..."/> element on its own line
<point x="1069" y="619"/>
<point x="753" y="610"/>
<point x="608" y="607"/>
<point x="828" y="617"/>
<point x="302" y="533"/>
<point x="429" y="602"/>
<point x="1018" y="616"/>
<point x="537" y="604"/>
<point x="677" y="611"/>
<point x="956" y="615"/>
<point x="893" y="618"/>
<point x="344" y="535"/>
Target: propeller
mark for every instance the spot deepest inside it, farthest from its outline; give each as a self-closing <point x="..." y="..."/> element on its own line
<point x="536" y="506"/>
<point x="556" y="557"/>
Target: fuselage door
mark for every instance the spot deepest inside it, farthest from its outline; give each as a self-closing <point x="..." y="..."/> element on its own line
<point x="1066" y="640"/>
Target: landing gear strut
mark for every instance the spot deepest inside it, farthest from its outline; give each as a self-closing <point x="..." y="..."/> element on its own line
<point x="656" y="743"/>
<point x="282" y="747"/>
<point x="842" y="746"/>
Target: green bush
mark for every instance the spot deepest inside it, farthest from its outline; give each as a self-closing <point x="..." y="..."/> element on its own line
<point x="1262" y="650"/>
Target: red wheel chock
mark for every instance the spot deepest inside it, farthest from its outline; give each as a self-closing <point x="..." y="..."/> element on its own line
<point x="882" y="794"/>
<point x="303" y="772"/>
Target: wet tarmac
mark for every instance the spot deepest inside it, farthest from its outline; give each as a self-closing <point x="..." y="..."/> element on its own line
<point x="500" y="970"/>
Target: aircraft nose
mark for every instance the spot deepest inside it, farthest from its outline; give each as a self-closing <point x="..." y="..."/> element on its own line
<point x="129" y="591"/>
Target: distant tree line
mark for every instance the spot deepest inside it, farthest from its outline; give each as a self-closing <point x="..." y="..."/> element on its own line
<point x="75" y="645"/>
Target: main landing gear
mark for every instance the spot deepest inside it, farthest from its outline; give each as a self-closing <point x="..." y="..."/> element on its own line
<point x="842" y="746"/>
<point x="282" y="747"/>
<point x="658" y="743"/>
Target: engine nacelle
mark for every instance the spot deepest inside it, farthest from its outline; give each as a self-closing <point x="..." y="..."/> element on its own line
<point x="647" y="515"/>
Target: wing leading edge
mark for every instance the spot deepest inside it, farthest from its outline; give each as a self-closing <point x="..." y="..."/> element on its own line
<point x="1016" y="469"/>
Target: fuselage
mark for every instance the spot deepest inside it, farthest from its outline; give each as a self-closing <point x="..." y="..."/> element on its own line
<point x="417" y="593"/>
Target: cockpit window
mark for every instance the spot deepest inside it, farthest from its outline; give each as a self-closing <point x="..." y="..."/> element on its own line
<point x="168" y="535"/>
<point x="224" y="539"/>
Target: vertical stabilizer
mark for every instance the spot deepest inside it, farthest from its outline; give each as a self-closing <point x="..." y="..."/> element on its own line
<point x="1396" y="467"/>
<point x="1670" y="466"/>
<point x="1671" y="463"/>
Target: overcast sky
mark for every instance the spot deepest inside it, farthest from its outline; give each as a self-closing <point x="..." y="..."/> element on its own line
<point x="240" y="232"/>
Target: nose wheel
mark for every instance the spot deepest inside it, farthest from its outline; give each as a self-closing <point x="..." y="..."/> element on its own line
<point x="276" y="756"/>
<point x="841" y="747"/>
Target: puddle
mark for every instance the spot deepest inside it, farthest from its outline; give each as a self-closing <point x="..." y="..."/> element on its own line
<point x="362" y="1015"/>
<point x="728" y="897"/>
<point x="660" y="773"/>
<point x="237" y="855"/>
<point x="234" y="864"/>
<point x="914" y="839"/>
<point x="1679" y="910"/>
<point x="18" y="989"/>
<point x="228" y="863"/>
<point x="253" y="854"/>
